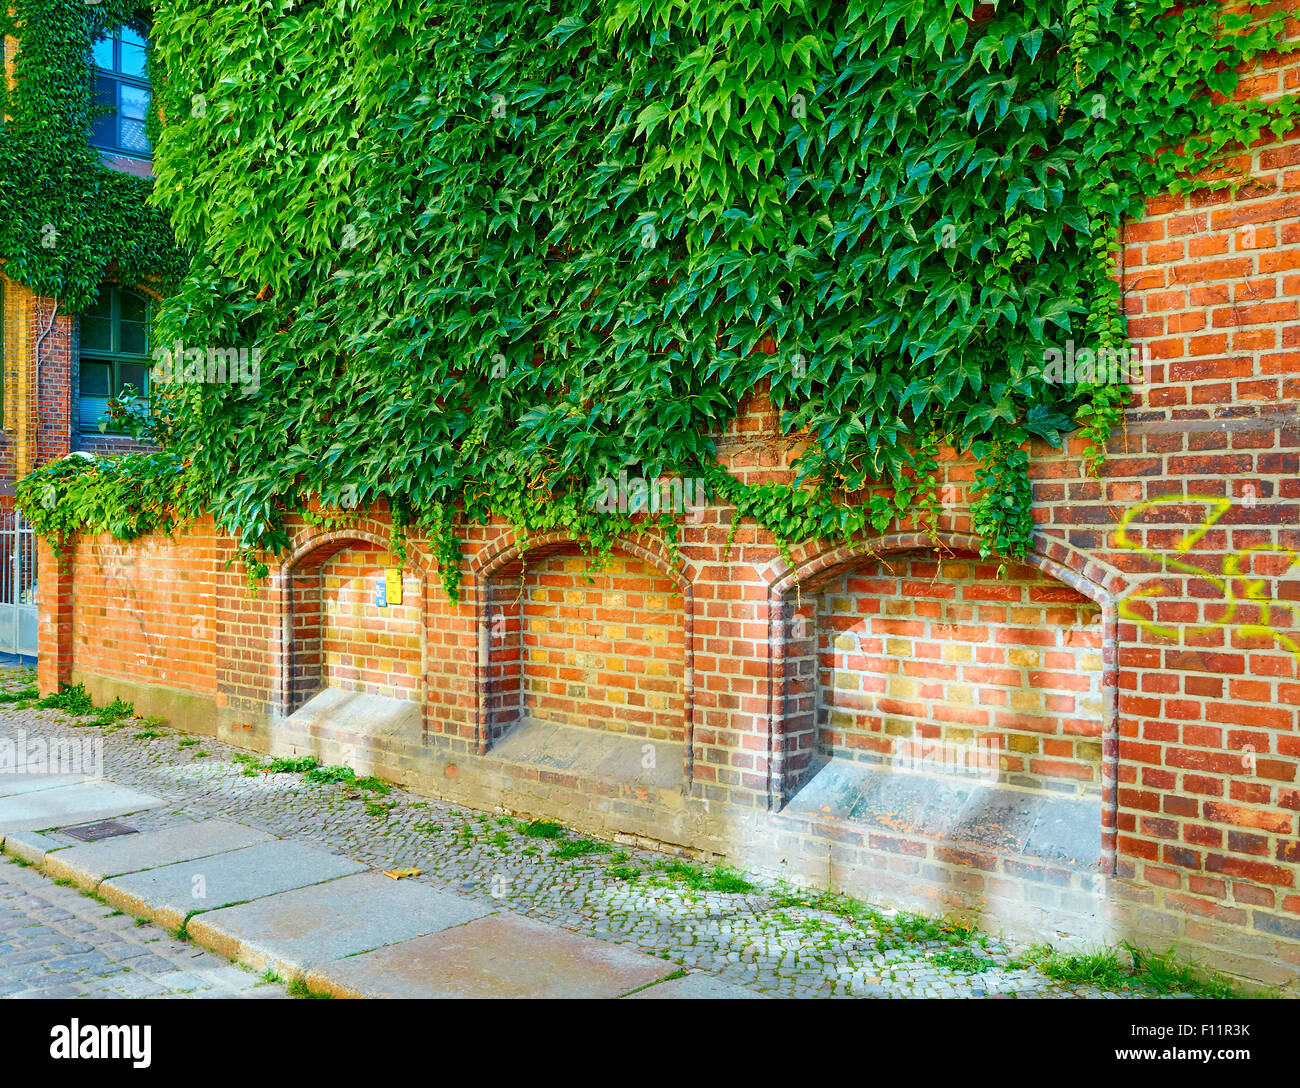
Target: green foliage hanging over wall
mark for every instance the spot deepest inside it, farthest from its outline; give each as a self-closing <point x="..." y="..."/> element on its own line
<point x="66" y="219"/>
<point x="489" y="254"/>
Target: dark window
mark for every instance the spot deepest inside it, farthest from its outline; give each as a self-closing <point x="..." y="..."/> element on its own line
<point x="122" y="86"/>
<point x="114" y="352"/>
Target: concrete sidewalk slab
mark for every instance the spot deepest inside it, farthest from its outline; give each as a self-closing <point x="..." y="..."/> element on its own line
<point x="14" y="784"/>
<point x="171" y="893"/>
<point x="29" y="846"/>
<point x="79" y="803"/>
<point x="697" y="986"/>
<point x="502" y="955"/>
<point x="299" y="929"/>
<point x="89" y="864"/>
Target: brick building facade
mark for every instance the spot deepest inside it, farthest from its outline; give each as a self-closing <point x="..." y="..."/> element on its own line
<point x="42" y="349"/>
<point x="1102" y="743"/>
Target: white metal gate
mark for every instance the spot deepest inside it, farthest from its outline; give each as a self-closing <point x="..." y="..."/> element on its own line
<point x="17" y="584"/>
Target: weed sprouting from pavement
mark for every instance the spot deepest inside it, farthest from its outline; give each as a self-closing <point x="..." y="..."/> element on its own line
<point x="293" y="765"/>
<point x="961" y="959"/>
<point x="71" y="699"/>
<point x="543" y="829"/>
<point x="573" y="848"/>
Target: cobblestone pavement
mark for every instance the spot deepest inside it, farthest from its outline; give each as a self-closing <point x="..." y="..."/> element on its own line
<point x="57" y="942"/>
<point x="769" y="938"/>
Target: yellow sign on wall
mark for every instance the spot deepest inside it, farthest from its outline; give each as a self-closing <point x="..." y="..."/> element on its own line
<point x="393" y="584"/>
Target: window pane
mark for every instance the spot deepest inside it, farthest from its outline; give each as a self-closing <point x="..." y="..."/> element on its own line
<point x="103" y="306"/>
<point x="133" y="306"/>
<point x="131" y="134"/>
<point x="135" y="375"/>
<point x="134" y="338"/>
<point x="132" y="36"/>
<point x="93" y="409"/>
<point x="103" y="52"/>
<point x="134" y="138"/>
<point x="96" y="334"/>
<point x="135" y="102"/>
<point x="96" y="378"/>
<point x="132" y="58"/>
<point x="103" y="129"/>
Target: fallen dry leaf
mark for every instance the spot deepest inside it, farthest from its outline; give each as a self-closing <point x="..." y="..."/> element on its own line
<point x="397" y="874"/>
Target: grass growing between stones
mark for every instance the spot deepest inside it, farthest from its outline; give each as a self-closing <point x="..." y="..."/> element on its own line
<point x="295" y="765"/>
<point x="74" y="700"/>
<point x="573" y="848"/>
<point x="961" y="959"/>
<point x="343" y="775"/>
<point x="119" y="710"/>
<point x="894" y="929"/>
<point x="1163" y="972"/>
<point x="543" y="829"/>
<point x="22" y="695"/>
<point x="298" y="988"/>
<point x="702" y="879"/>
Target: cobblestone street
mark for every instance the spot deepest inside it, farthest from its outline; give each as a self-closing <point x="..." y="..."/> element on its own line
<point x="771" y="940"/>
<point x="56" y="942"/>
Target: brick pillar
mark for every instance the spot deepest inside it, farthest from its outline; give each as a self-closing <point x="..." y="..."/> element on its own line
<point x="54" y="629"/>
<point x="52" y="411"/>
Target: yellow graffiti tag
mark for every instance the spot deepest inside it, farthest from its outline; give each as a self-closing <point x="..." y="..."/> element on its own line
<point x="1232" y="574"/>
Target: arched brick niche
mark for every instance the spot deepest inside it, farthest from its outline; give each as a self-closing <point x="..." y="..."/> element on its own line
<point x="575" y="659"/>
<point x="935" y="662"/>
<point x="920" y="661"/>
<point x="336" y="634"/>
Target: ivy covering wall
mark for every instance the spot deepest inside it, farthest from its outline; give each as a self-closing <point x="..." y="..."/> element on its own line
<point x="67" y="221"/>
<point x="490" y="254"/>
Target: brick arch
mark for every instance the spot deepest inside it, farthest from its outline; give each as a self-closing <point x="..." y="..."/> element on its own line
<point x="311" y="539"/>
<point x="309" y="550"/>
<point x="814" y="566"/>
<point x="514" y="547"/>
<point x="492" y="565"/>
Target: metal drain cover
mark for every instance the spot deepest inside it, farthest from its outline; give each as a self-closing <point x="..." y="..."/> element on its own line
<point x="101" y="829"/>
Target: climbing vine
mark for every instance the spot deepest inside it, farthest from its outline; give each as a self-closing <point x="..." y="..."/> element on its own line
<point x="508" y="251"/>
<point x="69" y="220"/>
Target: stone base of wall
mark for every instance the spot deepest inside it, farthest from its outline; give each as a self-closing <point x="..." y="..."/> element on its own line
<point x="1027" y="898"/>
<point x="193" y="713"/>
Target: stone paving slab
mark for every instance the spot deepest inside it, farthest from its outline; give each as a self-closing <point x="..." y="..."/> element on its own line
<point x="171" y="893"/>
<point x="299" y="929"/>
<point x="696" y="986"/>
<point x="78" y="803"/>
<point x="31" y="846"/>
<point x="502" y="955"/>
<point x="87" y="865"/>
<point x="14" y="784"/>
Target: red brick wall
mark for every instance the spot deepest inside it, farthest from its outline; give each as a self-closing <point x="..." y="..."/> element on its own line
<point x="603" y="648"/>
<point x="1186" y="544"/>
<point x="143" y="612"/>
<point x="53" y="412"/>
<point x="366" y="647"/>
<point x="938" y="663"/>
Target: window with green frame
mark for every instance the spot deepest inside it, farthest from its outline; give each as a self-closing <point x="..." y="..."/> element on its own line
<point x="114" y="352"/>
<point x="122" y="88"/>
